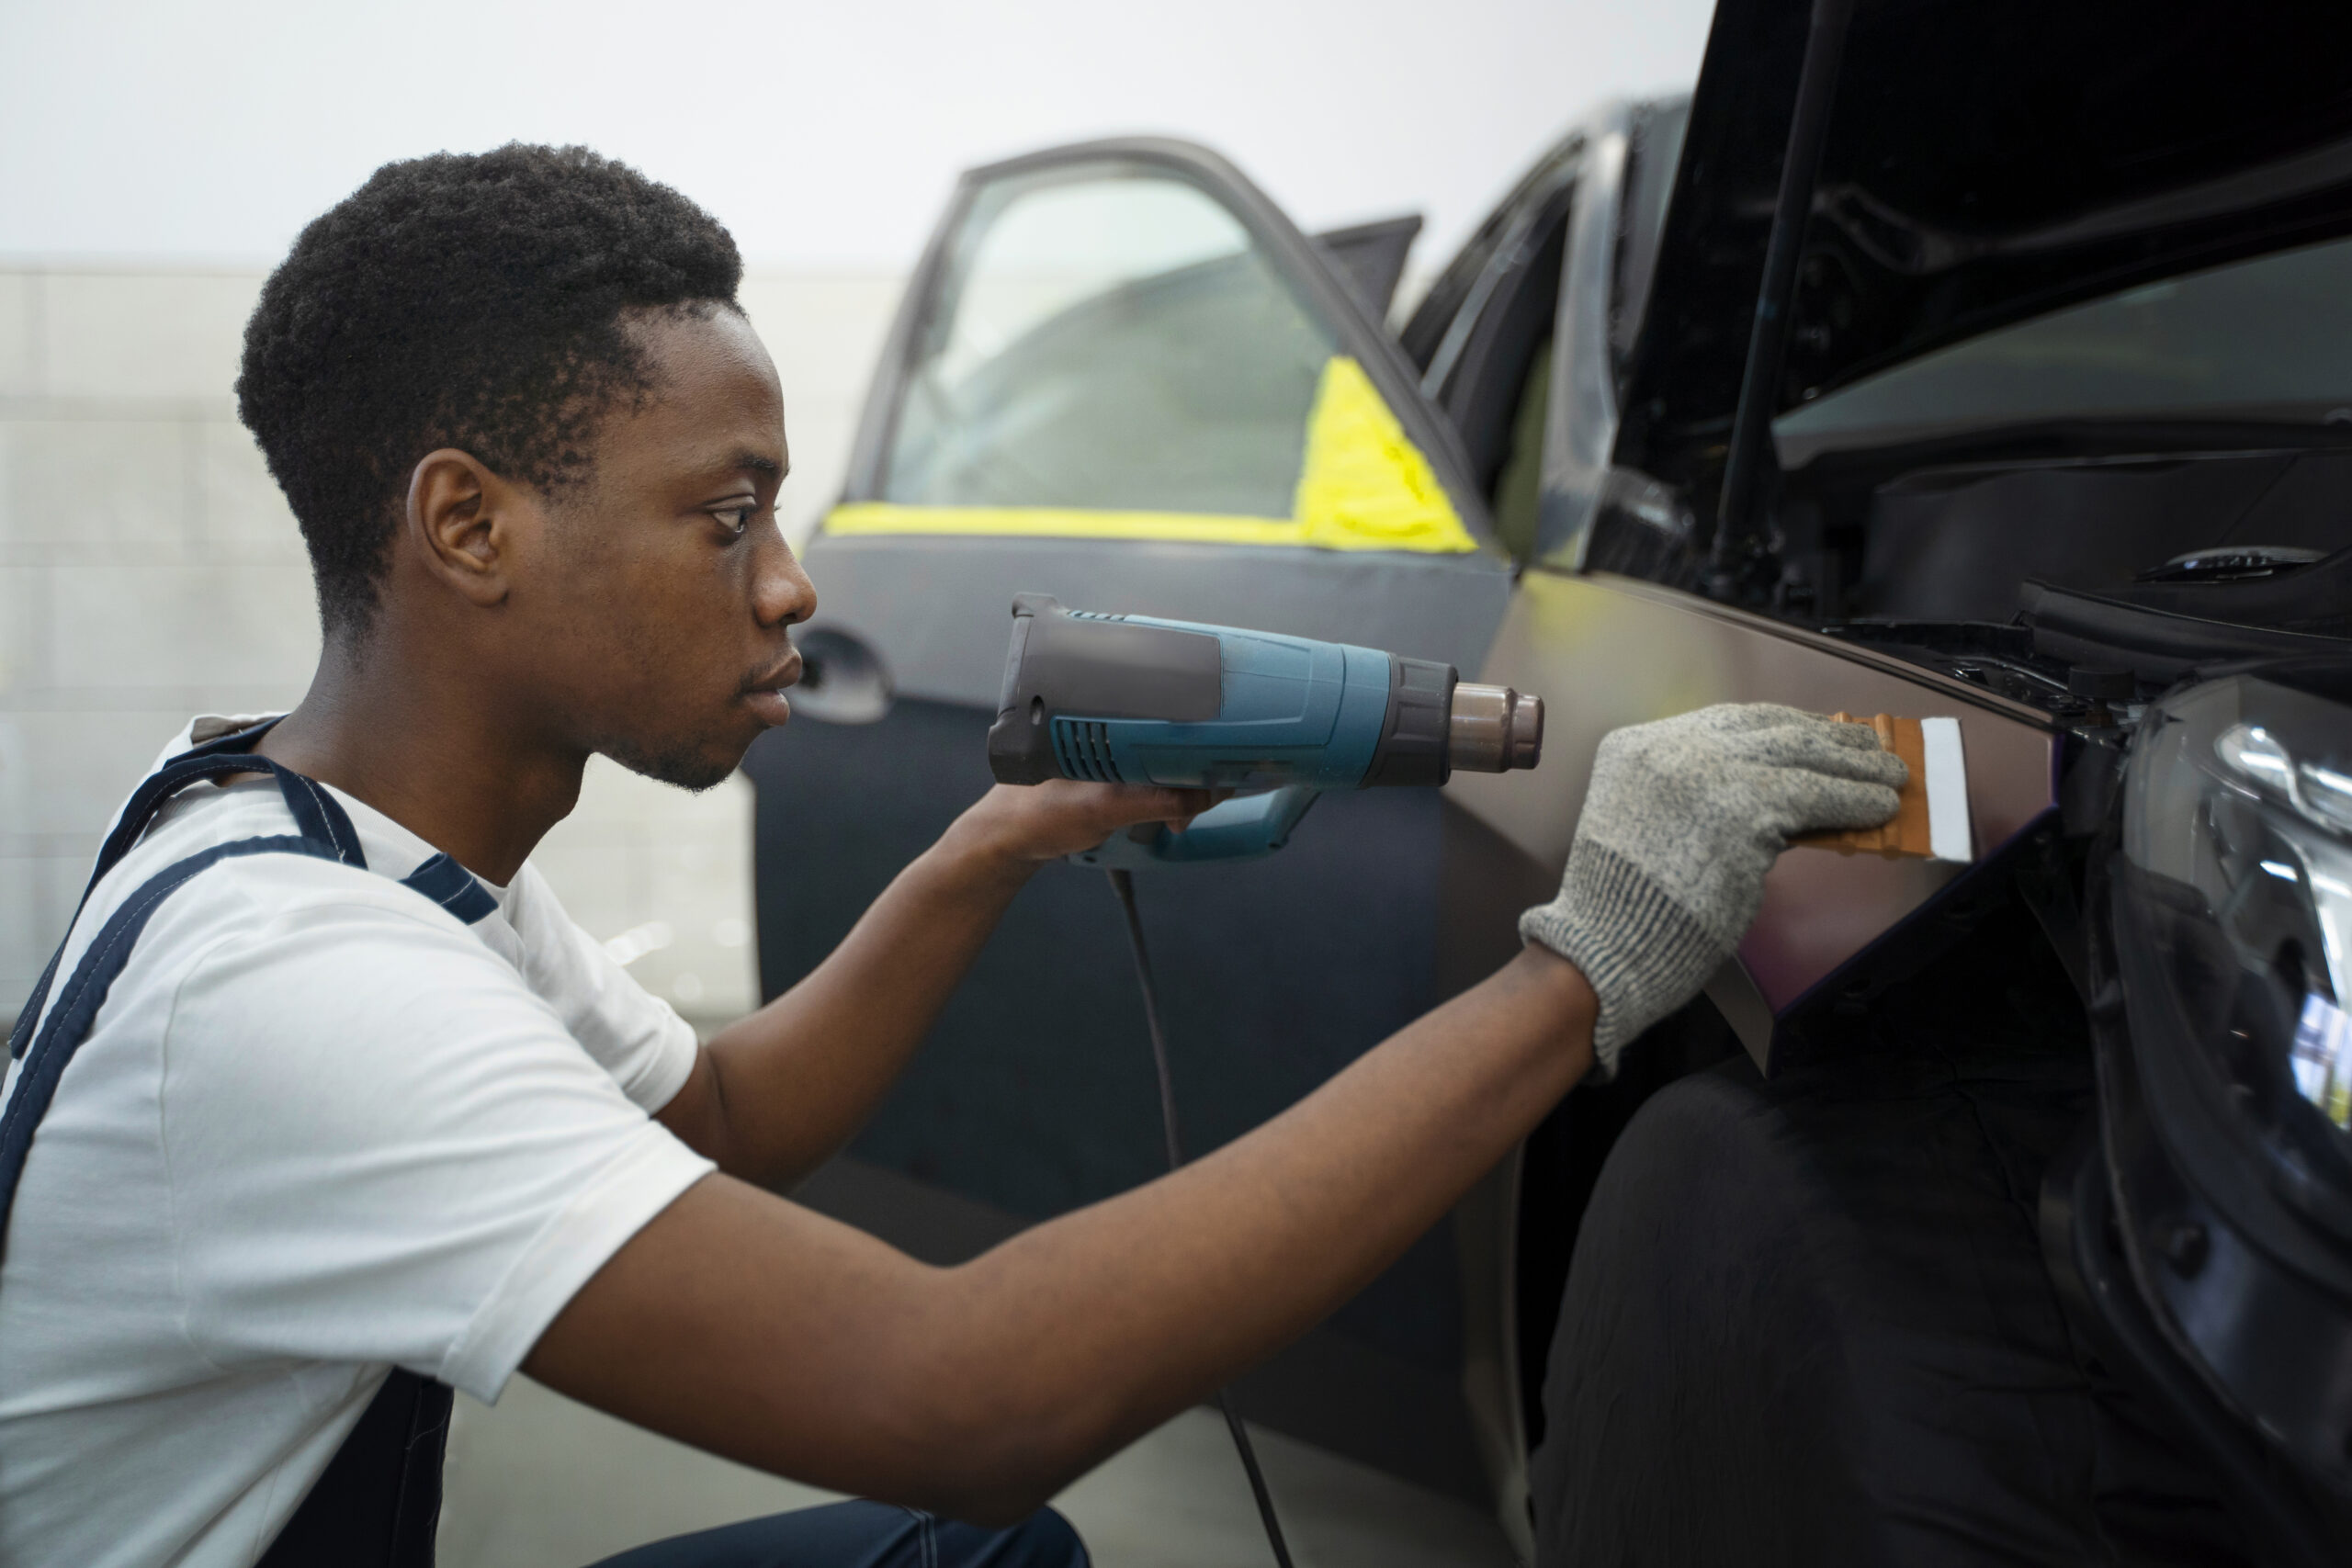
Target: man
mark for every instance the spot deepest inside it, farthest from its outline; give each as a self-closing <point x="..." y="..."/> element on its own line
<point x="327" y="1104"/>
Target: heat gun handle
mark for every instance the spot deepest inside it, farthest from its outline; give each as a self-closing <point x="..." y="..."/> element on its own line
<point x="1245" y="829"/>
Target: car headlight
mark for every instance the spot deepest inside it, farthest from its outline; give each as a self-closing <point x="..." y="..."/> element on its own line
<point x="2237" y="853"/>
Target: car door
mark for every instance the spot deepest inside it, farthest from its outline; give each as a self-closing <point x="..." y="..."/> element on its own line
<point x="1121" y="376"/>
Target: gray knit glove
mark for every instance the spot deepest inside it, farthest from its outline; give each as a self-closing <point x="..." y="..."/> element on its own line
<point x="1683" y="818"/>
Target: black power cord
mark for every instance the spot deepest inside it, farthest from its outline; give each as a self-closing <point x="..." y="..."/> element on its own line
<point x="1123" y="884"/>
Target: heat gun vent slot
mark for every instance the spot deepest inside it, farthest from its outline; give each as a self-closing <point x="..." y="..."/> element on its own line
<point x="1083" y="748"/>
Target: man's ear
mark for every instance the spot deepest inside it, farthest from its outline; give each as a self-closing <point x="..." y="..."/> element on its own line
<point x="465" y="523"/>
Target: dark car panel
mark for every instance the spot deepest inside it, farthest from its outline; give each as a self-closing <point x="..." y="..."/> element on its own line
<point x="1634" y="652"/>
<point x="935" y="609"/>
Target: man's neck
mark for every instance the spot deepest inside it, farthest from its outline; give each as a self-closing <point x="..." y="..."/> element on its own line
<point x="443" y="758"/>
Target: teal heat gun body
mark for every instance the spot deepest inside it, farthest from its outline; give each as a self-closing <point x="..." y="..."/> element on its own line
<point x="1134" y="699"/>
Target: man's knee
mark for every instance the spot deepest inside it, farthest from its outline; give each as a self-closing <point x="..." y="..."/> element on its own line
<point x="1044" y="1539"/>
<point x="862" y="1534"/>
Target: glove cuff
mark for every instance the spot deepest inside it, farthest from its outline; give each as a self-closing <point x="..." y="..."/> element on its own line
<point x="1643" y="954"/>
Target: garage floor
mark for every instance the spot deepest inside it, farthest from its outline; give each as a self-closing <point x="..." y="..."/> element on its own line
<point x="540" y="1482"/>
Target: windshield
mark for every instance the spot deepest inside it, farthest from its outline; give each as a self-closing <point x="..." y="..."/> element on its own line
<point x="2266" y="341"/>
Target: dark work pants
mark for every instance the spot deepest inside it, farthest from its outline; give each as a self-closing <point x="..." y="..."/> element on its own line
<point x="865" y="1535"/>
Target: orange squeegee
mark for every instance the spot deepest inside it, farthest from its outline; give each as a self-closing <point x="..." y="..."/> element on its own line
<point x="1931" y="818"/>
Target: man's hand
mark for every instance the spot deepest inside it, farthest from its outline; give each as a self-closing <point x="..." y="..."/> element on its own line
<point x="1026" y="825"/>
<point x="1684" y="818"/>
<point x="774" y="1095"/>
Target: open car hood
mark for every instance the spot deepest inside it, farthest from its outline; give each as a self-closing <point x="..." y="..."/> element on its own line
<point x="1985" y="161"/>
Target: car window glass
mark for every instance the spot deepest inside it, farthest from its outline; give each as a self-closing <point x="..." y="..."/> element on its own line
<point x="1450" y="292"/>
<point x="1110" y="343"/>
<point x="2264" y="339"/>
<point x="1519" y="487"/>
<point x="1109" y="351"/>
<point x="1651" y="163"/>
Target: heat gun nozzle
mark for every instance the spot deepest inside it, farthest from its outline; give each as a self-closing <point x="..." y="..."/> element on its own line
<point x="1494" y="729"/>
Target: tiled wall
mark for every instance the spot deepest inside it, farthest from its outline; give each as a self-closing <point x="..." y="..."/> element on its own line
<point x="149" y="570"/>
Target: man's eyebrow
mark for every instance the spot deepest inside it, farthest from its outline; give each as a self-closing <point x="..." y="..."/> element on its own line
<point x="744" y="461"/>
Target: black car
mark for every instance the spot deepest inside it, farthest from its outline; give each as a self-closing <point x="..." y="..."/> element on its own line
<point x="1989" y="362"/>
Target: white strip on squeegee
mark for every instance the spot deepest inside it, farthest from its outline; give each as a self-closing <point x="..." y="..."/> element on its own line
<point x="1948" y="834"/>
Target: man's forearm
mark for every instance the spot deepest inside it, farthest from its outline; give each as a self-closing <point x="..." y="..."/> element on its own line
<point x="1242" y="1251"/>
<point x="774" y="1096"/>
<point x="771" y="1334"/>
<point x="780" y="1091"/>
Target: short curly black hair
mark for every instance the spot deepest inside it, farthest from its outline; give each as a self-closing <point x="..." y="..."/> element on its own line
<point x="471" y="301"/>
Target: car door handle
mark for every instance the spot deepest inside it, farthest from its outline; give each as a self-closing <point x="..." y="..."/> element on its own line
<point x="843" y="680"/>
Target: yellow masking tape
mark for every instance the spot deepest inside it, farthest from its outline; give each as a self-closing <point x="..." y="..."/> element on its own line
<point x="1362" y="486"/>
<point x="1061" y="523"/>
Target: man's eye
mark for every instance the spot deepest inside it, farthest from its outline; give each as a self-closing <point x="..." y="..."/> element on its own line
<point x="736" y="519"/>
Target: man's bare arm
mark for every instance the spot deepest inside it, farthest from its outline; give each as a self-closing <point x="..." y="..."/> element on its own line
<point x="776" y="1094"/>
<point x="743" y="1324"/>
<point x="756" y="1329"/>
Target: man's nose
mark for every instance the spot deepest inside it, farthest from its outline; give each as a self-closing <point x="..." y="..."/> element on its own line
<point x="781" y="592"/>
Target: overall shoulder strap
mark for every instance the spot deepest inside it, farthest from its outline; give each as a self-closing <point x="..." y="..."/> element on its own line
<point x="452" y="886"/>
<point x="316" y="814"/>
<point x="45" y="1037"/>
<point x="324" y="827"/>
<point x="67" y="1023"/>
<point x="378" y="1501"/>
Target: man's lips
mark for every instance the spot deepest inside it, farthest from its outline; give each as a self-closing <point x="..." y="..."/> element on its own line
<point x="763" y="694"/>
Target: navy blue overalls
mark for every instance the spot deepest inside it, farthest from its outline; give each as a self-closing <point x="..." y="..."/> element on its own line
<point x="379" y="1498"/>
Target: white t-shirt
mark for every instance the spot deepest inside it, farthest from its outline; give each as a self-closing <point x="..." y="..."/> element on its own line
<point x="320" y="1128"/>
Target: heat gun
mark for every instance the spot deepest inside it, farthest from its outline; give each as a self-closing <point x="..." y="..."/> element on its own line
<point x="1134" y="699"/>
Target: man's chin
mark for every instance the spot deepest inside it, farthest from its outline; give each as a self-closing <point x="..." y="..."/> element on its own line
<point x="693" y="768"/>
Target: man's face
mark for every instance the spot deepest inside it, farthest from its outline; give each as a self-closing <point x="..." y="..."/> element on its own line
<point x="668" y="585"/>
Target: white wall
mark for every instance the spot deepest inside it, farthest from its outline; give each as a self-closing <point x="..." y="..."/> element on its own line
<point x="149" y="570"/>
<point x="824" y="133"/>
